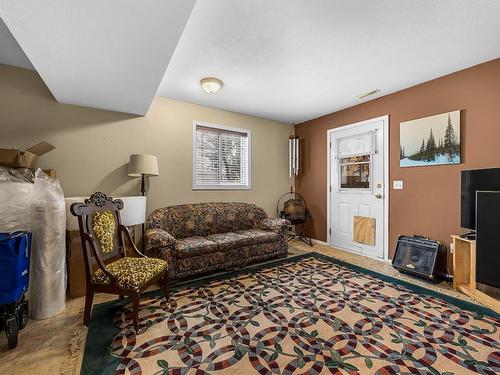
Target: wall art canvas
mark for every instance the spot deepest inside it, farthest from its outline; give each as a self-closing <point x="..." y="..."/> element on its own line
<point x="433" y="140"/>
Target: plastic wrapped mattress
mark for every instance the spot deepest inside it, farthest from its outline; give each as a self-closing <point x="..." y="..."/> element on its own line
<point x="34" y="202"/>
<point x="48" y="256"/>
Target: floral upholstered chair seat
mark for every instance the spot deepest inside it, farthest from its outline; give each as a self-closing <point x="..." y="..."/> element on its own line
<point x="204" y="237"/>
<point x="131" y="273"/>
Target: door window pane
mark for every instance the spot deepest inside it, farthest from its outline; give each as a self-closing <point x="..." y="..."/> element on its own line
<point x="355" y="172"/>
<point x="356" y="159"/>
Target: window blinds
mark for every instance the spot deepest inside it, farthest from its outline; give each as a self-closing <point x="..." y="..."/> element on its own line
<point x="362" y="144"/>
<point x="221" y="158"/>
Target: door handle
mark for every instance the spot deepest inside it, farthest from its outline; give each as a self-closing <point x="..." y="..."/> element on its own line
<point x="378" y="196"/>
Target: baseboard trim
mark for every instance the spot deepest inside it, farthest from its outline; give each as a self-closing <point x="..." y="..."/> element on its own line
<point x="319" y="242"/>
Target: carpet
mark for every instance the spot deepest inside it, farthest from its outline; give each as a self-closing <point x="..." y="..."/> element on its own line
<point x="309" y="314"/>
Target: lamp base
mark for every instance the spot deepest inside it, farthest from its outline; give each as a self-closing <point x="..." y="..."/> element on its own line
<point x="143" y="192"/>
<point x="143" y="185"/>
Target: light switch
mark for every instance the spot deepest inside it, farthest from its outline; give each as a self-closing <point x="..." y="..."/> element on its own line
<point x="397" y="185"/>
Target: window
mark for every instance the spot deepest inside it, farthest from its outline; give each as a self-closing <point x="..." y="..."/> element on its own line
<point x="221" y="157"/>
<point x="355" y="172"/>
<point x="354" y="154"/>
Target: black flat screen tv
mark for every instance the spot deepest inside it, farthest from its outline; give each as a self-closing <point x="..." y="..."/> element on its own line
<point x="472" y="181"/>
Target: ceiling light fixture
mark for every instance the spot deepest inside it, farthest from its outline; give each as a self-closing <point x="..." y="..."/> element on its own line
<point x="211" y="85"/>
<point x="368" y="93"/>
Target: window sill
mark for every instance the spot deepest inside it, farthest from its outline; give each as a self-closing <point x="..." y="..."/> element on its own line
<point x="222" y="187"/>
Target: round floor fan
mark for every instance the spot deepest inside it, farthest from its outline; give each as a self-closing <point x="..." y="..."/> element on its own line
<point x="292" y="206"/>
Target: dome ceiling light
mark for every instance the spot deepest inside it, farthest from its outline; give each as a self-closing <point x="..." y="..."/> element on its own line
<point x="211" y="85"/>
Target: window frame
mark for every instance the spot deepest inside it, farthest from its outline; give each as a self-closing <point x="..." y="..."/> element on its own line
<point x="248" y="132"/>
<point x="356" y="189"/>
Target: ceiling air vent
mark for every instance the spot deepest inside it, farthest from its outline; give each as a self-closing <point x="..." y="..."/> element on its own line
<point x="368" y="93"/>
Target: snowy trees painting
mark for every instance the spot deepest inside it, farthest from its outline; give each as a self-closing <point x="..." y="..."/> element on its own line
<point x="432" y="140"/>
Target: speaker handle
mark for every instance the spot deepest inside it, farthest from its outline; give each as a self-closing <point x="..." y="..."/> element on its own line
<point x="419" y="236"/>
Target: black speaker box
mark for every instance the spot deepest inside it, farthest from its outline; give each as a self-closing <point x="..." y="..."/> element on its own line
<point x="420" y="256"/>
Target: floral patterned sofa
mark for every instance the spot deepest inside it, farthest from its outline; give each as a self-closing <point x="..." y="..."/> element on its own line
<point x="204" y="237"/>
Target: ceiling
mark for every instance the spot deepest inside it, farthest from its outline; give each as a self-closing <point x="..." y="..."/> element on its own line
<point x="104" y="54"/>
<point x="295" y="60"/>
<point x="288" y="60"/>
<point x="10" y="51"/>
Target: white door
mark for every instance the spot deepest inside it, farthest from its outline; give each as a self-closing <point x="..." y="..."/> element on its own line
<point x="357" y="184"/>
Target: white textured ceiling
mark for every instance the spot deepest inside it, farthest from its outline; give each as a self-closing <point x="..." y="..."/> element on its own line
<point x="293" y="60"/>
<point x="10" y="51"/>
<point x="289" y="60"/>
<point x="109" y="54"/>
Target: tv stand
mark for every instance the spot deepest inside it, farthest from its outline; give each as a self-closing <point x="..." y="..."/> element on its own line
<point x="464" y="272"/>
<point x="469" y="235"/>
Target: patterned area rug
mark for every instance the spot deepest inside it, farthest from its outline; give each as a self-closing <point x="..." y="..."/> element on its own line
<point x="306" y="315"/>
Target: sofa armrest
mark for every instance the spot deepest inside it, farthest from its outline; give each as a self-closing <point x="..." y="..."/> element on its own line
<point x="156" y="238"/>
<point x="280" y="226"/>
<point x="160" y="244"/>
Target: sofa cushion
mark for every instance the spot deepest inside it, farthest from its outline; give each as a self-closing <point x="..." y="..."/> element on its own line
<point x="250" y="216"/>
<point x="191" y="220"/>
<point x="232" y="217"/>
<point x="193" y="246"/>
<point x="260" y="236"/>
<point x="227" y="218"/>
<point x="229" y="240"/>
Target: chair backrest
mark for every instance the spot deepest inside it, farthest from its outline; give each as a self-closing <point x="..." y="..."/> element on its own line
<point x="202" y="219"/>
<point x="99" y="219"/>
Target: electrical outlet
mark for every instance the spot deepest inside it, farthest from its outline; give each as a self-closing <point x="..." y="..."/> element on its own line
<point x="397" y="185"/>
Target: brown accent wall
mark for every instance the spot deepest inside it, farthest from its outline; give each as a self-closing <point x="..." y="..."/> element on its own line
<point x="430" y="202"/>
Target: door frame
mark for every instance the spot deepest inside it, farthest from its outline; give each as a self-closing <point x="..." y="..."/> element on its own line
<point x="385" y="120"/>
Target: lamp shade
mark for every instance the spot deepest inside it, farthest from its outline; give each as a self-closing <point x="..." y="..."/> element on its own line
<point x="143" y="164"/>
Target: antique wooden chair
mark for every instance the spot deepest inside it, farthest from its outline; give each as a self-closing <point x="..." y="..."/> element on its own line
<point x="108" y="268"/>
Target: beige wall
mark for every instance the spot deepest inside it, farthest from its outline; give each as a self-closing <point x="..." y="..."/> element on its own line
<point x="93" y="146"/>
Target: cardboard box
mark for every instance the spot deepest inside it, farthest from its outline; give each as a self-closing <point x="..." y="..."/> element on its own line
<point x="75" y="265"/>
<point x="51" y="173"/>
<point x="24" y="159"/>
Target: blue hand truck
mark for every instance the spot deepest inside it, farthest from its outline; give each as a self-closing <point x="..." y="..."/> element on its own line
<point x="14" y="279"/>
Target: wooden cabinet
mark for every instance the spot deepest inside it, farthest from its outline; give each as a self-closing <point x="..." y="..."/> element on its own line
<point x="76" y="265"/>
<point x="464" y="272"/>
